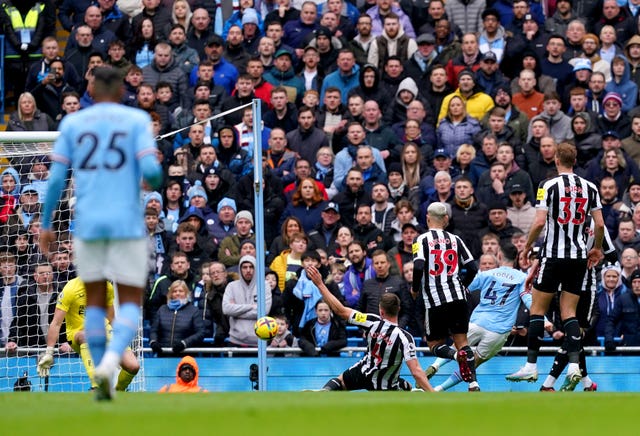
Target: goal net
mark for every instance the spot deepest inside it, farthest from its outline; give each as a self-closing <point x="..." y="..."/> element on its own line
<point x="30" y="281"/>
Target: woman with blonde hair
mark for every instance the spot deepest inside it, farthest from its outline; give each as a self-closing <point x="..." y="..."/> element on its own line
<point x="457" y="127"/>
<point x="464" y="156"/>
<point x="178" y="324"/>
<point x="181" y="14"/>
<point x="28" y="118"/>
<point x="613" y="164"/>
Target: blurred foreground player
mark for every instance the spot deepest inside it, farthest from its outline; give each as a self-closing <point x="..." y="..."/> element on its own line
<point x="110" y="148"/>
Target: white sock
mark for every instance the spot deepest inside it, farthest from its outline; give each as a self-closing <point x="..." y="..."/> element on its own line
<point x="438" y="389"/>
<point x="549" y="381"/>
<point x="530" y="367"/>
<point x="110" y="362"/>
<point x="586" y="381"/>
<point x="573" y="367"/>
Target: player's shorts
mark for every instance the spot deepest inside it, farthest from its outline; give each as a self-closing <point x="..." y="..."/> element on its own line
<point x="564" y="274"/>
<point x="124" y="261"/>
<point x="447" y="319"/>
<point x="487" y="343"/>
<point x="355" y="380"/>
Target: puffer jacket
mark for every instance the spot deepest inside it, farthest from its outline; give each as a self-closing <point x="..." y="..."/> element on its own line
<point x="170" y="327"/>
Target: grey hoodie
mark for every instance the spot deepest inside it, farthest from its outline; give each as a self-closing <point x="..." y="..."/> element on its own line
<point x="240" y="304"/>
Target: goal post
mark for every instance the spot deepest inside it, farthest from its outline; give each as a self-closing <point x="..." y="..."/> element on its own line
<point x="24" y="157"/>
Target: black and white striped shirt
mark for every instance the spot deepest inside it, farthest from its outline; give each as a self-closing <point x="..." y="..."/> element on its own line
<point x="568" y="199"/>
<point x="443" y="254"/>
<point x="387" y="346"/>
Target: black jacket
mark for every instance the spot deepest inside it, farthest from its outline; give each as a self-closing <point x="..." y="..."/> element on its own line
<point x="337" y="339"/>
<point x="25" y="329"/>
<point x="170" y="327"/>
<point x="373" y="289"/>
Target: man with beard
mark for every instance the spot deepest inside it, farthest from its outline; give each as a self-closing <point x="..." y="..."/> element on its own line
<point x="307" y="139"/>
<point x="477" y="103"/>
<point x="392" y="42"/>
<point x="179" y="269"/>
<point x="468" y="59"/>
<point x="164" y="68"/>
<point x="447" y="44"/>
<point x="234" y="51"/>
<point x="146" y="100"/>
<point x="48" y="93"/>
<point x="559" y="21"/>
<point x="240" y="304"/>
<point x="214" y="297"/>
<point x="613" y="209"/>
<point x="366" y="231"/>
<point x="632" y="51"/>
<point x="362" y="42"/>
<point x="591" y="51"/>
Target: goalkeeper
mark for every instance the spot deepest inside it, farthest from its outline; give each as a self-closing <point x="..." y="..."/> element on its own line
<point x="72" y="302"/>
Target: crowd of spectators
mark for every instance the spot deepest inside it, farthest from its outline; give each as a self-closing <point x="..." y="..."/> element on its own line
<point x="371" y="111"/>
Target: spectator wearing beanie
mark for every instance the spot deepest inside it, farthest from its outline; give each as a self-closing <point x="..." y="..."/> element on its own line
<point x="229" y="252"/>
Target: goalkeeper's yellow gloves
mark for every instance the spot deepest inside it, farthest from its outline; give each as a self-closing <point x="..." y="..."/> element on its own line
<point x="45" y="363"/>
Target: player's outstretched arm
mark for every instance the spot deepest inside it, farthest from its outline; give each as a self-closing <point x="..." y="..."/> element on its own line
<point x="335" y="305"/>
<point x="418" y="374"/>
<point x="46" y="360"/>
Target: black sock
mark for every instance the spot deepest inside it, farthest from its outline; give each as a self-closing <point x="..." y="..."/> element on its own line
<point x="559" y="363"/>
<point x="471" y="361"/>
<point x="444" y="351"/>
<point x="536" y="334"/>
<point x="583" y="363"/>
<point x="573" y="339"/>
<point x="333" y="385"/>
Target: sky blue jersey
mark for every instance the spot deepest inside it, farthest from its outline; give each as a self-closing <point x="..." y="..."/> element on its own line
<point x="501" y="290"/>
<point x="108" y="145"/>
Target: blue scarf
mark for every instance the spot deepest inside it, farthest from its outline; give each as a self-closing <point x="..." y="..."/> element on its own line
<point x="177" y="304"/>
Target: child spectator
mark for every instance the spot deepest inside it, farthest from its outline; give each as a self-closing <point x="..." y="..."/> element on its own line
<point x="284" y="338"/>
<point x="324" y="331"/>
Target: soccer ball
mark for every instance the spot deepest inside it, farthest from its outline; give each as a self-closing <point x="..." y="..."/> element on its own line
<point x="266" y="328"/>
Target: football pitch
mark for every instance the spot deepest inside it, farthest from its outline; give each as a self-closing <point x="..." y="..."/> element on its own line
<point x="322" y="413"/>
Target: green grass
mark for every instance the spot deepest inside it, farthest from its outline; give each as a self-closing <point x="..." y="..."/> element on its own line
<point x="322" y="413"/>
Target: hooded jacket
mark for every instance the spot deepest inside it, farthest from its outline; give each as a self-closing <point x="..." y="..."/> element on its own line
<point x="180" y="386"/>
<point x="627" y="89"/>
<point x="369" y="93"/>
<point x="589" y="143"/>
<point x="240" y="305"/>
<point x="634" y="69"/>
<point x="234" y="158"/>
